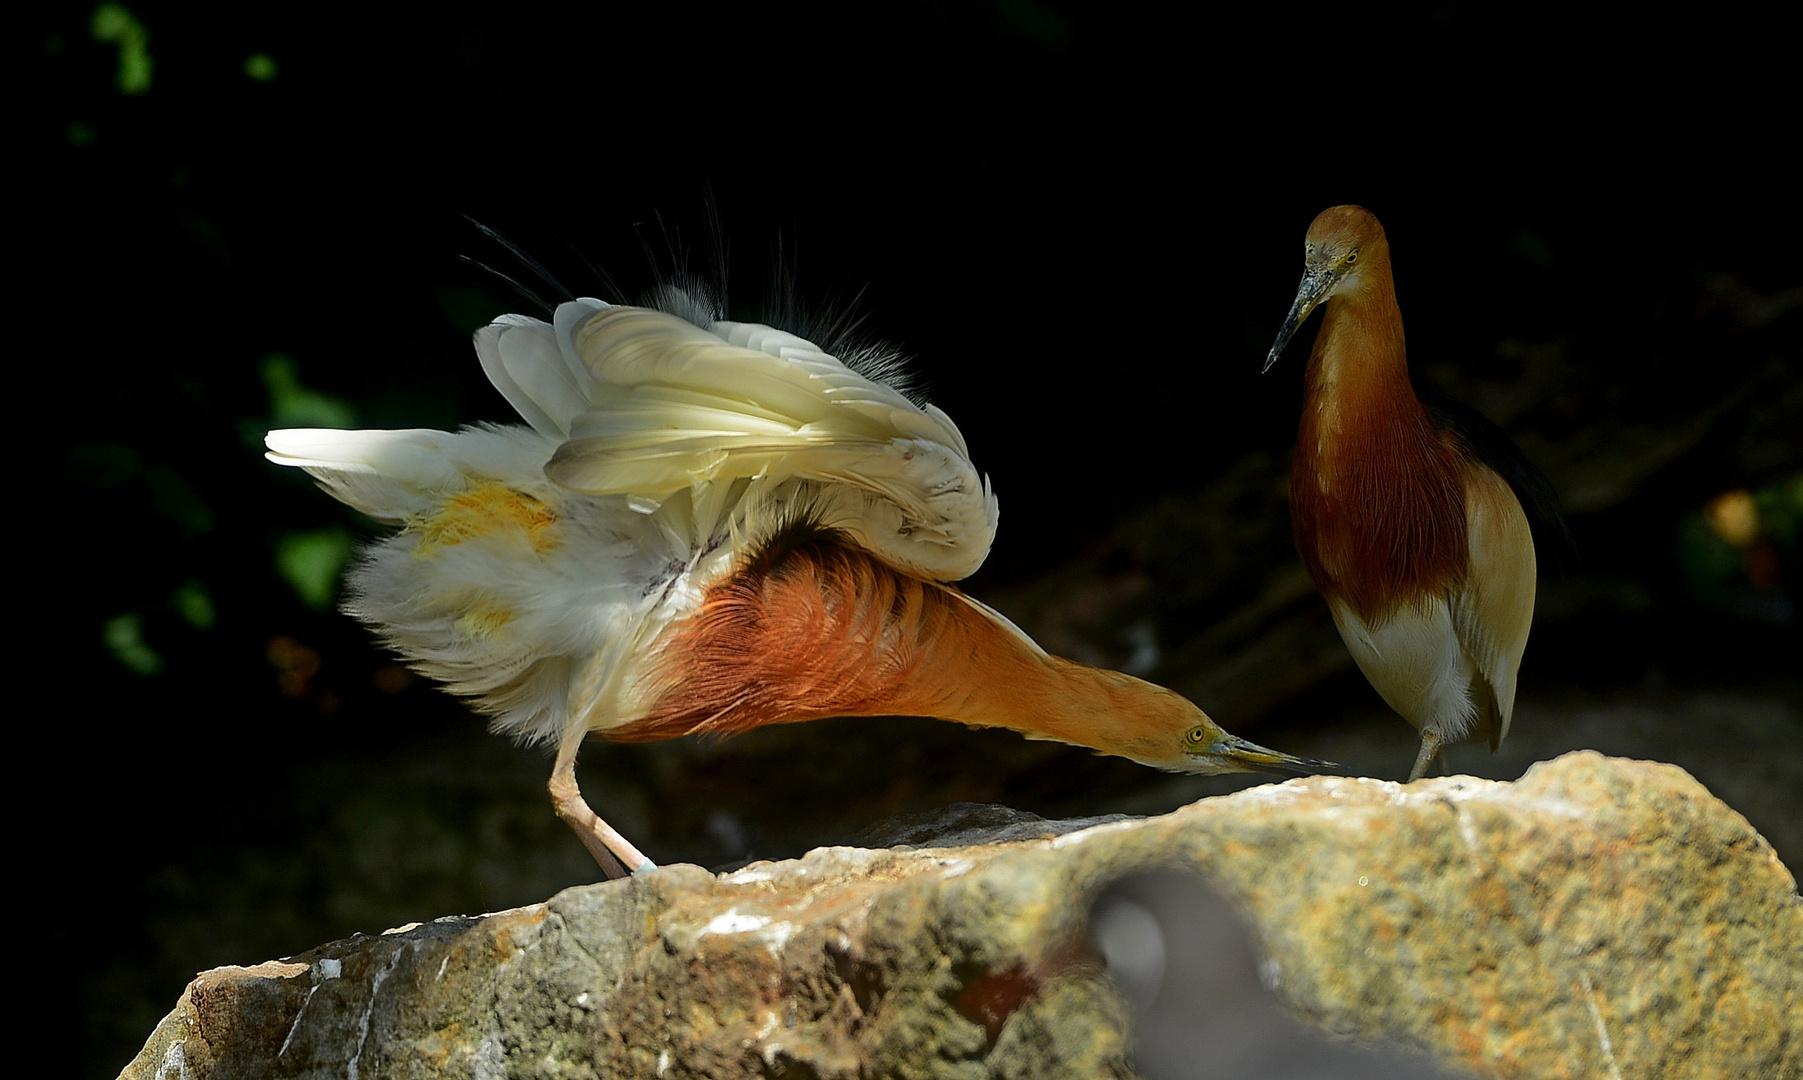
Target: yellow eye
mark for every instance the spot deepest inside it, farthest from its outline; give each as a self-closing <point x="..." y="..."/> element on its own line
<point x="1196" y="736"/>
<point x="1352" y="256"/>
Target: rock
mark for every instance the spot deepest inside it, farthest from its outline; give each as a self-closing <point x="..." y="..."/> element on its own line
<point x="1597" y="918"/>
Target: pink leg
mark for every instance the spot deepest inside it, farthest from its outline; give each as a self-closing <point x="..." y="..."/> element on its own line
<point x="613" y="852"/>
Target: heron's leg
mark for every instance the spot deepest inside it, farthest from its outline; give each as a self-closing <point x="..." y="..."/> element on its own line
<point x="614" y="852"/>
<point x="1430" y="749"/>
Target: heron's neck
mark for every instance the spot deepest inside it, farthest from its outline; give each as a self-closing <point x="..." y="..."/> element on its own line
<point x="986" y="673"/>
<point x="1359" y="366"/>
<point x="1375" y="491"/>
<point x="827" y="629"/>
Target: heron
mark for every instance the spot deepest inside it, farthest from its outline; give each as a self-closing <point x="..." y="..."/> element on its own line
<point x="1408" y="513"/>
<point x="705" y="527"/>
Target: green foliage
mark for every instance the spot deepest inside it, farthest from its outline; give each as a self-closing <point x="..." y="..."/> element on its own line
<point x="179" y="501"/>
<point x="311" y="562"/>
<point x="294" y="405"/>
<point x="123" y="636"/>
<point x="1708" y="561"/>
<point x="194" y="604"/>
<point x="1742" y="539"/>
<point x="1781" y="511"/>
<point x="114" y="24"/>
<point x="1533" y="247"/>
<point x="104" y="464"/>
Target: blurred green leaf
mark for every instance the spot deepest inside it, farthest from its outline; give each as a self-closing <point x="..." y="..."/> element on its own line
<point x="1781" y="510"/>
<point x="260" y="67"/>
<point x="191" y="601"/>
<point x="124" y="638"/>
<point x="311" y="562"/>
<point x="114" y="24"/>
<point x="294" y="405"/>
<point x="179" y="500"/>
<point x="1708" y="561"/>
<point x="1534" y="248"/>
<point x="104" y="465"/>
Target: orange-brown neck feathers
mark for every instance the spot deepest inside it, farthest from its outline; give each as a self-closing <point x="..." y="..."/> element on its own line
<point x="808" y="628"/>
<point x="1376" y="491"/>
<point x="814" y="627"/>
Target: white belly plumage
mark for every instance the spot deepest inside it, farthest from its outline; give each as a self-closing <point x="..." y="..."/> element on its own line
<point x="1414" y="661"/>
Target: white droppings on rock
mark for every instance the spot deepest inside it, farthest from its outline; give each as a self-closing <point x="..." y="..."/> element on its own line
<point x="351" y="1069"/>
<point x="1467" y="831"/>
<point x="770" y="1024"/>
<point x="1070" y="838"/>
<point x="299" y="1014"/>
<point x="489" y="1062"/>
<point x="1270" y="974"/>
<point x="174" y="1063"/>
<point x="734" y="923"/>
<point x="1284" y="794"/>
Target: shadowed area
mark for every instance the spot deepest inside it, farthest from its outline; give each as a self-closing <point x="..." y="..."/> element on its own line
<point x="1188" y="965"/>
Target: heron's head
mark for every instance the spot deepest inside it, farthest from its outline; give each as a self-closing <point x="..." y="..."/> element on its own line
<point x="1165" y="730"/>
<point x="1208" y="749"/>
<point x="1343" y="251"/>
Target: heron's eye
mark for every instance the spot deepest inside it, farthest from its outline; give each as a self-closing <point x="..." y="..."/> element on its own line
<point x="1196" y="736"/>
<point x="1352" y="257"/>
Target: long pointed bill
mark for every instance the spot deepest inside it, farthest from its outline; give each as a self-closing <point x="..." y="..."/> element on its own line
<point x="1315" y="284"/>
<point x="1230" y="753"/>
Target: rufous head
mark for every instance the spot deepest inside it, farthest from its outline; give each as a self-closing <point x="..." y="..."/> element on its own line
<point x="1343" y="251"/>
<point x="1165" y="730"/>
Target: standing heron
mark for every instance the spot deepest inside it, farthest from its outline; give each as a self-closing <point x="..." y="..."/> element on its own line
<point x="1408" y="514"/>
<point x="706" y="527"/>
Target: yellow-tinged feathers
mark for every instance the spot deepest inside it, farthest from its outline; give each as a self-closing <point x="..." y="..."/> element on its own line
<point x="481" y="511"/>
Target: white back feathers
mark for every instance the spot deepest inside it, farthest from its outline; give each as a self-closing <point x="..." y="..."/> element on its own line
<point x="647" y="404"/>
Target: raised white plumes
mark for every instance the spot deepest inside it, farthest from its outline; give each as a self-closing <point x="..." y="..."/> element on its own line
<point x="539" y="565"/>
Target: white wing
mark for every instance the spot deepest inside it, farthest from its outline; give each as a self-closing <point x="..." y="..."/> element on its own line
<point x="1494" y="612"/>
<point x="662" y="405"/>
<point x="396" y="476"/>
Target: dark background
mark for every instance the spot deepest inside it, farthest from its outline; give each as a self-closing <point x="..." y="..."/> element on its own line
<point x="1085" y="224"/>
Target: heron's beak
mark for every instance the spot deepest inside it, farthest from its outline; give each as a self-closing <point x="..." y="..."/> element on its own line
<point x="1316" y="282"/>
<point x="1230" y="753"/>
